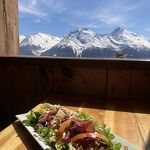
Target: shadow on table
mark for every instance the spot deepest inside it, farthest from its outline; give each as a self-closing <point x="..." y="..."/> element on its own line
<point x="124" y="105"/>
<point x="25" y="137"/>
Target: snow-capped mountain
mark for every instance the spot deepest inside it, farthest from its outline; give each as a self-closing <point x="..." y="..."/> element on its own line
<point x="78" y="41"/>
<point x="86" y="43"/>
<point x="131" y="44"/>
<point x="37" y="43"/>
<point x="21" y="38"/>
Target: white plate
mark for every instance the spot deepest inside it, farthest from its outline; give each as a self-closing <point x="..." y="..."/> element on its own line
<point x="35" y="135"/>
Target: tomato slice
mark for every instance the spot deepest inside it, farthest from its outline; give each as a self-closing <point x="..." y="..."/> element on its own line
<point x="84" y="135"/>
<point x="61" y="130"/>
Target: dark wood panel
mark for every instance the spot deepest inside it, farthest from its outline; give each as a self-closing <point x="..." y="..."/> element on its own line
<point x="140" y="84"/>
<point x="118" y="83"/>
<point x="79" y="81"/>
<point x="57" y="62"/>
<point x="5" y="95"/>
<point x="43" y="83"/>
<point x="23" y="88"/>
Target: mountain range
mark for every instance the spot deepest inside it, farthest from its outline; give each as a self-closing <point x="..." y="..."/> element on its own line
<point x="85" y="43"/>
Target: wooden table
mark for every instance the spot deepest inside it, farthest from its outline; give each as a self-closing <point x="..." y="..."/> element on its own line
<point x="129" y="120"/>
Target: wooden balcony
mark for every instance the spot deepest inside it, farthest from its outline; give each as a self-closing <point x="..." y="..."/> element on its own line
<point x="115" y="92"/>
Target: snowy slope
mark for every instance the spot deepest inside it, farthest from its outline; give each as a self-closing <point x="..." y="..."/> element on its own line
<point x="37" y="43"/>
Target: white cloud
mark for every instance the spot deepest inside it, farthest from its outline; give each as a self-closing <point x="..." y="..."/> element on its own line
<point x="132" y="7"/>
<point x="33" y="11"/>
<point x="111" y="19"/>
<point x="43" y="8"/>
<point x="115" y="12"/>
<point x="29" y="7"/>
<point x="108" y="18"/>
<point x="99" y="15"/>
<point x="124" y="7"/>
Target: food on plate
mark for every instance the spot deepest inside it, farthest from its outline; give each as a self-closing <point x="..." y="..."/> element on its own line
<point x="64" y="129"/>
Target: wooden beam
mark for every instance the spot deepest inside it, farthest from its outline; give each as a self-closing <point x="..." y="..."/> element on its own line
<point x="9" y="35"/>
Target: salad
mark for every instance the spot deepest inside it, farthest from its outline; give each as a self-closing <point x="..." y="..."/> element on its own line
<point x="64" y="129"/>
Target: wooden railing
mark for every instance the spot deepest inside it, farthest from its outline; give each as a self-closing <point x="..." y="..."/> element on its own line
<point x="26" y="81"/>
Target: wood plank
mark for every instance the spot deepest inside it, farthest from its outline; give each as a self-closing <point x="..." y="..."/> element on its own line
<point x="140" y="84"/>
<point x="14" y="141"/>
<point x="118" y="83"/>
<point x="121" y="123"/>
<point x="2" y="29"/>
<point x="80" y="81"/>
<point x="124" y="124"/>
<point x="143" y="121"/>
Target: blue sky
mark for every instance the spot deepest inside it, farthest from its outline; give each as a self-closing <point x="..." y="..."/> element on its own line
<point x="59" y="17"/>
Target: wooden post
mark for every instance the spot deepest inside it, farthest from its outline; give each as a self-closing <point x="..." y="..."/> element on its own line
<point x="9" y="35"/>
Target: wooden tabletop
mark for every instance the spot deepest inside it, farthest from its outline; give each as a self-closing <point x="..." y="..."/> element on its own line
<point x="129" y="122"/>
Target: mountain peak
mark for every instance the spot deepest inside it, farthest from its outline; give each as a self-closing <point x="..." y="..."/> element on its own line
<point x="81" y="32"/>
<point x="118" y="31"/>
